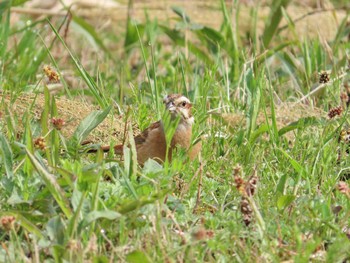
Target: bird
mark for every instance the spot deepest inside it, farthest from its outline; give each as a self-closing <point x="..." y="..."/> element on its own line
<point x="151" y="143"/>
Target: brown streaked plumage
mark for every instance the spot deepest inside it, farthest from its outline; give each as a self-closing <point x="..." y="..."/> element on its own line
<point x="151" y="143"/>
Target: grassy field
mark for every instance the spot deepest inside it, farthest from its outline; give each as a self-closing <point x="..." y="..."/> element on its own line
<point x="272" y="182"/>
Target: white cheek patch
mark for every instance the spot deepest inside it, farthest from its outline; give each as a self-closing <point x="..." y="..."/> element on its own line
<point x="190" y="120"/>
<point x="184" y="113"/>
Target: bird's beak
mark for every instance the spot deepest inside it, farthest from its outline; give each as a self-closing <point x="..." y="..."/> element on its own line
<point x="170" y="106"/>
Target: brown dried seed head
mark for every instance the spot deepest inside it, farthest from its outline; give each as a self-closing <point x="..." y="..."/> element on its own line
<point x="323" y="77"/>
<point x="245" y="206"/>
<point x="251" y="184"/>
<point x="51" y="74"/>
<point x="246" y="211"/>
<point x="39" y="143"/>
<point x="240" y="183"/>
<point x="202" y="234"/>
<point x="58" y="123"/>
<point x="7" y="222"/>
<point x="337" y="111"/>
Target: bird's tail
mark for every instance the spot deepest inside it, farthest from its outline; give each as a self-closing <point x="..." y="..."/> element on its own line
<point x="118" y="149"/>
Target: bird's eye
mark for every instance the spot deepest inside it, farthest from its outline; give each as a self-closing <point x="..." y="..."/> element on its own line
<point x="183" y="104"/>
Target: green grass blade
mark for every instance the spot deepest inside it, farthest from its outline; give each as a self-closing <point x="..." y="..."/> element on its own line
<point x="6" y="153"/>
<point x="136" y="204"/>
<point x="179" y="40"/>
<point x="92" y="33"/>
<point x="97" y="94"/>
<point x="298" y="168"/>
<point x="89" y="123"/>
<point x="181" y="13"/>
<point x="44" y="124"/>
<point x="55" y="136"/>
<point x="274" y="20"/>
<point x="95" y="215"/>
<point x="299" y="124"/>
<point x="340" y="34"/>
<point x="273" y="117"/>
<point x="52" y="185"/>
<point x="74" y="220"/>
<point x="231" y="37"/>
<point x="28" y="167"/>
<point x="24" y="222"/>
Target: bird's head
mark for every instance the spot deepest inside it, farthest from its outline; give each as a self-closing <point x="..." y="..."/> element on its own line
<point x="179" y="105"/>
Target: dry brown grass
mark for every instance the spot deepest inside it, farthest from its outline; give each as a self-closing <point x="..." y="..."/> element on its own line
<point x="71" y="111"/>
<point x="286" y="113"/>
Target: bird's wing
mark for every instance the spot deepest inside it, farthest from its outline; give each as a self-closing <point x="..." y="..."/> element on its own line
<point x="142" y="137"/>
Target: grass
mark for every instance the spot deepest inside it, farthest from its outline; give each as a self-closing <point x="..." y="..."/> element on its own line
<point x="263" y="189"/>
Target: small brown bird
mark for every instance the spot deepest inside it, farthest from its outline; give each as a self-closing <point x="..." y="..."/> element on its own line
<point x="151" y="143"/>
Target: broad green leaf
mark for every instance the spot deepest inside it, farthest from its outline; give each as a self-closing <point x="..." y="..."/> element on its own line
<point x="281" y="185"/>
<point x="274" y="20"/>
<point x="56" y="230"/>
<point x="253" y="98"/>
<point x="181" y="13"/>
<point x="297" y="167"/>
<point x="258" y="132"/>
<point x="284" y="201"/>
<point x="129" y="169"/>
<point x="211" y="35"/>
<point x="52" y="185"/>
<point x="4" y="35"/>
<point x="89" y="123"/>
<point x="107" y="214"/>
<point x="134" y="30"/>
<point x="90" y="30"/>
<point x="231" y="37"/>
<point x="132" y="37"/>
<point x="77" y="206"/>
<point x="23" y="221"/>
<point x="340" y="33"/>
<point x="133" y="159"/>
<point x="133" y="205"/>
<point x="179" y="40"/>
<point x="137" y="257"/>
<point x="6" y="155"/>
<point x="299" y="124"/>
<point x="151" y="166"/>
